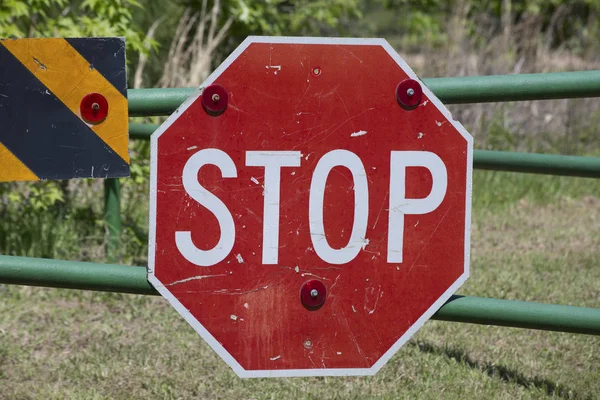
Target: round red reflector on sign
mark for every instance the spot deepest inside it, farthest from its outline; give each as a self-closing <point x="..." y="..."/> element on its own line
<point x="94" y="108"/>
<point x="215" y="99"/>
<point x="409" y="93"/>
<point x="312" y="294"/>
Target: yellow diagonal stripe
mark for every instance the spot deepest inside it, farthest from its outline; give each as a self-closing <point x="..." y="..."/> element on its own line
<point x="12" y="169"/>
<point x="69" y="76"/>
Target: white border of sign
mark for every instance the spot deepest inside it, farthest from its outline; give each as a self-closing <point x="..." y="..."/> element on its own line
<point x="184" y="312"/>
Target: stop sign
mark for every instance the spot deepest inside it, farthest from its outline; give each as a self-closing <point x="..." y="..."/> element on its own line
<point x="310" y="207"/>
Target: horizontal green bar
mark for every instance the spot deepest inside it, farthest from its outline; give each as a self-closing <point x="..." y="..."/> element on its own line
<point x="455" y="90"/>
<point x="553" y="164"/>
<point x="141" y="131"/>
<point x="73" y="275"/>
<point x="545" y="86"/>
<point x="477" y="310"/>
<point x="521" y="314"/>
<point x="154" y="102"/>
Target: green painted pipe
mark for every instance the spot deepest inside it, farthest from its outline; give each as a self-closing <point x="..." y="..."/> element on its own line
<point x="521" y="314"/>
<point x="73" y="275"/>
<point x="493" y="88"/>
<point x="553" y="164"/>
<point x="112" y="217"/>
<point x="141" y="131"/>
<point x="455" y="90"/>
<point x="477" y="310"/>
<point x="155" y="102"/>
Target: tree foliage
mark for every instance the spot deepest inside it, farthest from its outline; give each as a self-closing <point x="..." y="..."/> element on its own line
<point x="558" y="23"/>
<point x="64" y="18"/>
<point x="290" y="17"/>
<point x="242" y="18"/>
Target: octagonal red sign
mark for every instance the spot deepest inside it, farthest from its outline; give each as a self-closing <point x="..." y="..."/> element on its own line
<point x="310" y="207"/>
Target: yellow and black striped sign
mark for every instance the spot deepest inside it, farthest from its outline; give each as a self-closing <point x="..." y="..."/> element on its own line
<point x="42" y="132"/>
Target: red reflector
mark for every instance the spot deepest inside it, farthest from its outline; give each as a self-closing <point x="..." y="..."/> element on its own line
<point x="408" y="94"/>
<point x="312" y="294"/>
<point x="94" y="108"/>
<point x="215" y="99"/>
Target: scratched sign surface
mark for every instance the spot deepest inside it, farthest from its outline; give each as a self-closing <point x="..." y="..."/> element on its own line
<point x="310" y="207"/>
<point x="63" y="109"/>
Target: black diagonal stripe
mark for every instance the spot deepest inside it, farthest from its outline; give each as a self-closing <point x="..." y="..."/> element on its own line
<point x="44" y="134"/>
<point x="107" y="55"/>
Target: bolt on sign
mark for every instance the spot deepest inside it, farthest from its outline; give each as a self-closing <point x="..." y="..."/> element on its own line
<point x="63" y="109"/>
<point x="310" y="207"/>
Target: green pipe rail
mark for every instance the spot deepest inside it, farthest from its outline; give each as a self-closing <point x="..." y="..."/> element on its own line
<point x="476" y="310"/>
<point x="477" y="89"/>
<point x="553" y="164"/>
<point x="455" y="90"/>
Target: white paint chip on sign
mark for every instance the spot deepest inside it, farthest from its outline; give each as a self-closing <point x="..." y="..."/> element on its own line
<point x="233" y="317"/>
<point x="365" y="243"/>
<point x="246" y="306"/>
<point x="274" y="358"/>
<point x="253" y="179"/>
<point x="359" y="133"/>
<point x="239" y="258"/>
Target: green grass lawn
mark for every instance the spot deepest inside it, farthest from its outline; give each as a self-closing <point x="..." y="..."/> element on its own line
<point x="534" y="238"/>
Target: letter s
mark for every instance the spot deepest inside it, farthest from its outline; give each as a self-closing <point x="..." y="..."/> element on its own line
<point x="183" y="239"/>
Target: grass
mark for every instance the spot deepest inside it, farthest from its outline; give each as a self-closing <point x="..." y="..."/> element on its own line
<point x="495" y="190"/>
<point x="534" y="238"/>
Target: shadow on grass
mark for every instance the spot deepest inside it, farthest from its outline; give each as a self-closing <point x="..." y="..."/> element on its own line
<point x="503" y="373"/>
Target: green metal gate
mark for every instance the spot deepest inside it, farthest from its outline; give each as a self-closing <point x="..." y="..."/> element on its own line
<point x="479" y="89"/>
